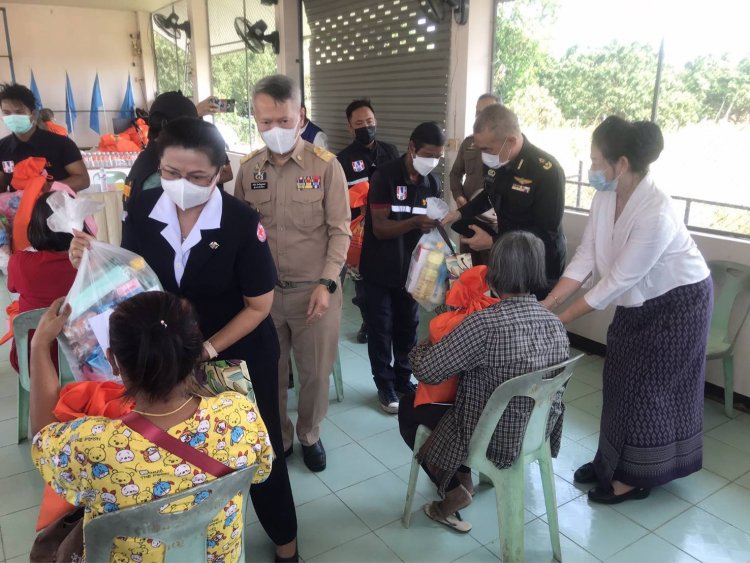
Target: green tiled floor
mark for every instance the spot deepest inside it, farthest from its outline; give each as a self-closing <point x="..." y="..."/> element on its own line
<point x="351" y="511"/>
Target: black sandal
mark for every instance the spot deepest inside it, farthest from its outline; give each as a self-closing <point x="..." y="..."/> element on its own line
<point x="603" y="496"/>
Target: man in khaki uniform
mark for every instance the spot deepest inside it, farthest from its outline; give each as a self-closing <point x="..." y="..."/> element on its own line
<point x="301" y="194"/>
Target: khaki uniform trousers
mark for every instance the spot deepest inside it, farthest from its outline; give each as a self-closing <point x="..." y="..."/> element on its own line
<point x="315" y="348"/>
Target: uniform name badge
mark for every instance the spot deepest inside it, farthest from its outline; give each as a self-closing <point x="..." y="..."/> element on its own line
<point x="358" y="165"/>
<point x="401" y="193"/>
<point x="258" y="185"/>
<point x="8" y="166"/>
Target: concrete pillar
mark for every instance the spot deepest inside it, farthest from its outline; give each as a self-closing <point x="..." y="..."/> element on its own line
<point x="470" y="73"/>
<point x="147" y="56"/>
<point x="288" y="23"/>
<point x="200" y="52"/>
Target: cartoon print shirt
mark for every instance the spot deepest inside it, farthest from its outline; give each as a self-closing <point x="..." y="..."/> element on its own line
<point x="103" y="465"/>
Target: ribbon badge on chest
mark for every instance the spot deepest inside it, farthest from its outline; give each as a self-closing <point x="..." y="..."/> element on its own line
<point x="401" y="193"/>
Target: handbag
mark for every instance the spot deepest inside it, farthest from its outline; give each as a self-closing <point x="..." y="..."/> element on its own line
<point x="62" y="541"/>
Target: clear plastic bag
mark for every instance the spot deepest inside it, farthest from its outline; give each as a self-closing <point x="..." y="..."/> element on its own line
<point x="428" y="274"/>
<point x="107" y="276"/>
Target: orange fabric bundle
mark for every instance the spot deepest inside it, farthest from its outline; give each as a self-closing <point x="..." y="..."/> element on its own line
<point x="83" y="398"/>
<point x="357" y="198"/>
<point x="53" y="127"/>
<point x="354" y="254"/>
<point x="117" y="143"/>
<point x="358" y="195"/>
<point x="132" y="133"/>
<point x="30" y="177"/>
<point x="468" y="294"/>
<point x="12" y="312"/>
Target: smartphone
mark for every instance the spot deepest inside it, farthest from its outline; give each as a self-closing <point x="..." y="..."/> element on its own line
<point x="226" y="105"/>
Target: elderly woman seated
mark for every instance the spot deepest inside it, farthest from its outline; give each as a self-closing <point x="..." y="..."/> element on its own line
<point x="510" y="338"/>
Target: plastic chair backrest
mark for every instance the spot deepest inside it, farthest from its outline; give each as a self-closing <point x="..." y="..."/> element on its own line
<point x="534" y="385"/>
<point x="184" y="534"/>
<point x="730" y="279"/>
<point x="22" y="324"/>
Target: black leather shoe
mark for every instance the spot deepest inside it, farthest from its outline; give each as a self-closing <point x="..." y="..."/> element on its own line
<point x="362" y="334"/>
<point x="602" y="496"/>
<point x="314" y="456"/>
<point x="289" y="451"/>
<point x="585" y="474"/>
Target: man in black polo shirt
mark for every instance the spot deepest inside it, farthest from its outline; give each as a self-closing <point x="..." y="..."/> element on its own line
<point x="359" y="161"/>
<point x="396" y="218"/>
<point x="64" y="161"/>
<point x="525" y="186"/>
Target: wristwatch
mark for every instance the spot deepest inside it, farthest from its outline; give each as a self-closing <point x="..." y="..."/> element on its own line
<point x="330" y="285"/>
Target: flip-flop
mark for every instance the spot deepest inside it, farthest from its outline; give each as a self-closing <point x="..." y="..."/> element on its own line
<point x="453" y="521"/>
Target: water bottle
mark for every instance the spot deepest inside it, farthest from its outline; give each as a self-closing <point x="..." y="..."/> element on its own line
<point x="102" y="180"/>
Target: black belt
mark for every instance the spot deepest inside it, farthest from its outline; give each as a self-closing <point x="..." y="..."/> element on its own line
<point x="292" y="285"/>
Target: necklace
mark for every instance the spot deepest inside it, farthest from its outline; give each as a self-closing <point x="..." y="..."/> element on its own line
<point x="165" y="413"/>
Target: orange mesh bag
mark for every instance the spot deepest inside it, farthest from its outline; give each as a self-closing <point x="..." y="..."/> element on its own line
<point x="468" y="294"/>
<point x="117" y="143"/>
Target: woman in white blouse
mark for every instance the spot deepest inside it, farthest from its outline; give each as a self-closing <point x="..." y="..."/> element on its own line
<point x="637" y="254"/>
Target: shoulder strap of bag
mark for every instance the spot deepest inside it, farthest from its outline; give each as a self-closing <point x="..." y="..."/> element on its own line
<point x="151" y="432"/>
<point x="446" y="238"/>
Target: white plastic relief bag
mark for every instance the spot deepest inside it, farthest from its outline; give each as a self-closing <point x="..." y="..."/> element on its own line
<point x="107" y="276"/>
<point x="428" y="274"/>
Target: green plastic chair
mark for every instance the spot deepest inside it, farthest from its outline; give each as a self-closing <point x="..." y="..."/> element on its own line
<point x="509" y="482"/>
<point x="184" y="534"/>
<point x="730" y="280"/>
<point x="337" y="378"/>
<point x="22" y="324"/>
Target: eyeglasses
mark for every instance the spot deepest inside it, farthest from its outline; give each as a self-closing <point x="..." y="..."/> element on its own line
<point x="203" y="180"/>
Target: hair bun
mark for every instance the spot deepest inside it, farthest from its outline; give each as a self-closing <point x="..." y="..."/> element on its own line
<point x="649" y="141"/>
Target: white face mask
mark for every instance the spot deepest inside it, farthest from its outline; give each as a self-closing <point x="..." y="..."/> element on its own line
<point x="185" y="194"/>
<point x="279" y="139"/>
<point x="493" y="160"/>
<point x="424" y="164"/>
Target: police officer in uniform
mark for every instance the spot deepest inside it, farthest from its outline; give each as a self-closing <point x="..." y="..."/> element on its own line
<point x="359" y="161"/>
<point x="525" y="186"/>
<point x="300" y="192"/>
<point x="396" y="218"/>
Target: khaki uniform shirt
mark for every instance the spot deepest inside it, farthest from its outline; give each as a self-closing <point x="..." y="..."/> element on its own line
<point x="469" y="163"/>
<point x="304" y="208"/>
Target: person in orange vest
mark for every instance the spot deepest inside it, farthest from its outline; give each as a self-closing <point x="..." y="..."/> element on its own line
<point x="47" y="121"/>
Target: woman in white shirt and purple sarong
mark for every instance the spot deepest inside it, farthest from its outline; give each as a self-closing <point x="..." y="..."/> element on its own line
<point x="640" y="257"/>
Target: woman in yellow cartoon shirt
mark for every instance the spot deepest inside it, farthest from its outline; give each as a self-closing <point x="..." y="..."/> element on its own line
<point x="103" y="465"/>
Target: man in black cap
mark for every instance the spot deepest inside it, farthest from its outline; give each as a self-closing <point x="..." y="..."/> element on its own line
<point x="144" y="174"/>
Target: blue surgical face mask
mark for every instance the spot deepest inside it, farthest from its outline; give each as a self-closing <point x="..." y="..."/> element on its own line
<point x="18" y="124"/>
<point x="600" y="182"/>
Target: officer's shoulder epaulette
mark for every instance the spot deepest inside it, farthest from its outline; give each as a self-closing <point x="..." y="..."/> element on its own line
<point x="323" y="154"/>
<point x="253" y="154"/>
<point x="546" y="164"/>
